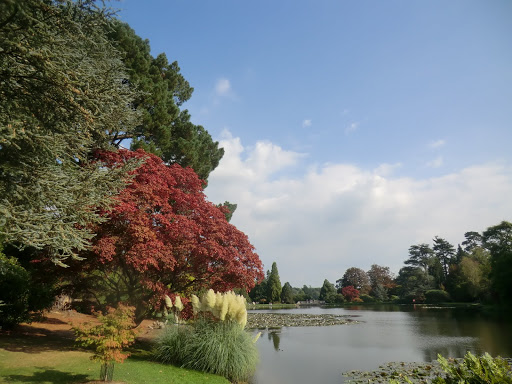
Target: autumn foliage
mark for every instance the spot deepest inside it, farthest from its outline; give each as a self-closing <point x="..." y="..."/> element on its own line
<point x="350" y="293"/>
<point x="114" y="332"/>
<point x="164" y="237"/>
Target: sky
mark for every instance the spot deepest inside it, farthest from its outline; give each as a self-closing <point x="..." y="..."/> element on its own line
<point x="352" y="129"/>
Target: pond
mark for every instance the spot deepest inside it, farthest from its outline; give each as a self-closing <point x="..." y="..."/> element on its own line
<point x="305" y="355"/>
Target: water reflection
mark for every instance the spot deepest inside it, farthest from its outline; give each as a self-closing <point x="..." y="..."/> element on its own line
<point x="388" y="333"/>
<point x="274" y="336"/>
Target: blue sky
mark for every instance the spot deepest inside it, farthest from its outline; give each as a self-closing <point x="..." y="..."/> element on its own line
<point x="352" y="130"/>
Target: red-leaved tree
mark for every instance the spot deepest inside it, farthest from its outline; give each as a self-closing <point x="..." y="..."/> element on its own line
<point x="164" y="237"/>
<point x="350" y="293"/>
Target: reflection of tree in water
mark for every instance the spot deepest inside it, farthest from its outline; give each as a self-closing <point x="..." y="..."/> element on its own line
<point x="453" y="332"/>
<point x="276" y="339"/>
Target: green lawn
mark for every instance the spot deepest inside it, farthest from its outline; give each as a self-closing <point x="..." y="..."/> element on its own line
<point x="52" y="360"/>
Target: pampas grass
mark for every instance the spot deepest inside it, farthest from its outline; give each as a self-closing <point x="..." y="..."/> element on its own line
<point x="220" y="347"/>
<point x="171" y="348"/>
<point x="223" y="348"/>
<point x="216" y="341"/>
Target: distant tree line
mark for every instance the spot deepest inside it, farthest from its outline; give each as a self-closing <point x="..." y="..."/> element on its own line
<point x="478" y="270"/>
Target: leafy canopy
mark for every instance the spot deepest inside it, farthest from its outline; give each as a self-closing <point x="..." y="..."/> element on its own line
<point x="164" y="237"/>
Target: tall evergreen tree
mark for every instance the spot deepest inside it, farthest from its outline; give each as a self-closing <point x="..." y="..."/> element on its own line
<point x="445" y="253"/>
<point x="274" y="285"/>
<point x="420" y="256"/>
<point x="287" y="294"/>
<point x="165" y="130"/>
<point x="328" y="292"/>
<point x="61" y="96"/>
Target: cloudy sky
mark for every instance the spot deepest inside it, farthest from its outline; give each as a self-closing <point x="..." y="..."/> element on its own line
<point x="352" y="129"/>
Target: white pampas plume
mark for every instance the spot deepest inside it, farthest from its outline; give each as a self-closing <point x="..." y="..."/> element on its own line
<point x="178" y="304"/>
<point x="196" y="304"/>
<point x="225" y="306"/>
<point x="241" y="311"/>
<point x="218" y="304"/>
<point x="208" y="301"/>
<point x="168" y="301"/>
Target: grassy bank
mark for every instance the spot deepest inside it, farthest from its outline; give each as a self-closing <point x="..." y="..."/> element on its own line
<point x="54" y="360"/>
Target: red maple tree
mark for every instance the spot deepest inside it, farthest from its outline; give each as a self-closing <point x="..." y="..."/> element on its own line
<point x="164" y="237"/>
<point x="350" y="293"/>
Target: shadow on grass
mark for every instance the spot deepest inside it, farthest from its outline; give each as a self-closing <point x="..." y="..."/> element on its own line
<point x="35" y="343"/>
<point x="142" y="351"/>
<point x="47" y="375"/>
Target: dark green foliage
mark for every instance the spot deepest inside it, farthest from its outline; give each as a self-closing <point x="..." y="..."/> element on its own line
<point x="437" y="296"/>
<point x="14" y="292"/>
<point x="413" y="282"/>
<point x="287" y="294"/>
<point x="498" y="240"/>
<point x="328" y="292"/>
<point x="445" y="253"/>
<point x="223" y="348"/>
<point x="473" y="240"/>
<point x="435" y="270"/>
<point x="259" y="293"/>
<point x="379" y="293"/>
<point x="274" y="285"/>
<point x="367" y="298"/>
<point x="61" y="96"/>
<point x="165" y="130"/>
<point x="420" y="256"/>
<point x="24" y="294"/>
<point x="228" y="209"/>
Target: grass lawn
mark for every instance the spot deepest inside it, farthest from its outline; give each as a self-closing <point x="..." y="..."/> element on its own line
<point x="36" y="357"/>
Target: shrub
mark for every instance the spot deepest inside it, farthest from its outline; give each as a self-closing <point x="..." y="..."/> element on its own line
<point x="437" y="296"/>
<point x="367" y="298"/>
<point x="14" y="292"/>
<point x="115" y="332"/>
<point x="340" y="299"/>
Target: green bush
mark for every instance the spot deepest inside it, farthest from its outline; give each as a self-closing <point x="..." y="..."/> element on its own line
<point x="220" y="347"/>
<point x="475" y="370"/>
<point x="437" y="296"/>
<point x="367" y="298"/>
<point x="14" y="292"/>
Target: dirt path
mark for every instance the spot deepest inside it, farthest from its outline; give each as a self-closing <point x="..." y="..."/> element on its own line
<point x="57" y="327"/>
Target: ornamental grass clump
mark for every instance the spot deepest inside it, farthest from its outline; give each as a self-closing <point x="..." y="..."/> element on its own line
<point x="223" y="348"/>
<point x="215" y="341"/>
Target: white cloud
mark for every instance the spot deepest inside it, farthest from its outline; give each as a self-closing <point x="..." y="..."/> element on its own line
<point x="351" y="128"/>
<point x="437" y="144"/>
<point x="436" y="163"/>
<point x="306" y="123"/>
<point x="223" y="87"/>
<point x="335" y="216"/>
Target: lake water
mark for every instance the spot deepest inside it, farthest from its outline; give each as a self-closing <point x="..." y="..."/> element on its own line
<point x="306" y="355"/>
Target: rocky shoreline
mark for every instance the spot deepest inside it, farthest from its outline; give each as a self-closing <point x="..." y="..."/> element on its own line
<point x="277" y="320"/>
